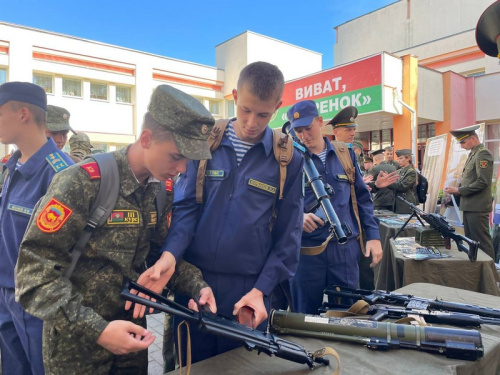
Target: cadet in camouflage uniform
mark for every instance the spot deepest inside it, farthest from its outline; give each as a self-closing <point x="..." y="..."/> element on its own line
<point x="384" y="197"/>
<point x="406" y="186"/>
<point x="475" y="188"/>
<point x="86" y="328"/>
<point x="58" y="127"/>
<point x="389" y="157"/>
<point x="80" y="146"/>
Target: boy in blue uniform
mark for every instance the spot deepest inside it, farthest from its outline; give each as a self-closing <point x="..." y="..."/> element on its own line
<point x="337" y="264"/>
<point x="29" y="172"/>
<point x="228" y="235"/>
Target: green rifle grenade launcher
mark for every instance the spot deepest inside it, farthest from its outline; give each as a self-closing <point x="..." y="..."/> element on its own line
<point x="263" y="342"/>
<point x="454" y="343"/>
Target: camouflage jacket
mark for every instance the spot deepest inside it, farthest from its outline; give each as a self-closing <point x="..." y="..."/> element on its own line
<point x="84" y="304"/>
<point x="406" y="187"/>
<point x="475" y="188"/>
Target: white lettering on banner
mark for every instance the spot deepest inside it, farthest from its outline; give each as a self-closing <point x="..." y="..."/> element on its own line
<point x="318" y="88"/>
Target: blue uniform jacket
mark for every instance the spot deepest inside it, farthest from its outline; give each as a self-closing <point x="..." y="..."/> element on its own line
<point x="229" y="232"/>
<point x="335" y="175"/>
<point x="22" y="189"/>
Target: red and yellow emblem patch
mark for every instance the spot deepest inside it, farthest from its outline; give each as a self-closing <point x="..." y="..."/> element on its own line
<point x="92" y="169"/>
<point x="53" y="216"/>
<point x="169" y="185"/>
<point x="483" y="164"/>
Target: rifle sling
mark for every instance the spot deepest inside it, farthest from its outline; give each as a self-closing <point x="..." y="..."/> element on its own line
<point x="188" y="346"/>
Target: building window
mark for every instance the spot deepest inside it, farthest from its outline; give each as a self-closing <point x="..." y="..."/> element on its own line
<point x="98" y="91"/>
<point x="214" y="107"/>
<point x="123" y="94"/>
<point x="44" y="81"/>
<point x="426" y="131"/>
<point x="230" y="108"/>
<point x="3" y="76"/>
<point x="72" y="87"/>
<point x="375" y="140"/>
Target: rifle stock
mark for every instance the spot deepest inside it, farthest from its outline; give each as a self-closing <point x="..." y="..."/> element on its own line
<point x="252" y="339"/>
<point x="439" y="223"/>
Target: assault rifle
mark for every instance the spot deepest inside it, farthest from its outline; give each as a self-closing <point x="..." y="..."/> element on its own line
<point x="263" y="342"/>
<point x="408" y="301"/>
<point x="322" y="191"/>
<point x="439" y="223"/>
<point x="454" y="343"/>
<point x="381" y="312"/>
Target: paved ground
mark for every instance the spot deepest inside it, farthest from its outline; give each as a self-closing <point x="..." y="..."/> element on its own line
<point x="155" y="324"/>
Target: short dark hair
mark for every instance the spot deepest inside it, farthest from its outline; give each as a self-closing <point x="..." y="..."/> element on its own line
<point x="38" y="114"/>
<point x="264" y="80"/>
<point x="159" y="132"/>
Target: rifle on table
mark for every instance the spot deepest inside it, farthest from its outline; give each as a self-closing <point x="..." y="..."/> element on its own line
<point x="381" y="312"/>
<point x="439" y="223"/>
<point x="454" y="343"/>
<point x="409" y="301"/>
<point x="322" y="191"/>
<point x="263" y="342"/>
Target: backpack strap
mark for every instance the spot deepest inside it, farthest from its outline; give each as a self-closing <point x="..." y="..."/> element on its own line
<point x="105" y="201"/>
<point x="344" y="156"/>
<point x="213" y="142"/>
<point x="283" y="152"/>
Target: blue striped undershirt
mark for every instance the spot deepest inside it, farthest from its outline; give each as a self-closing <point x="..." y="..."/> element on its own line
<point x="322" y="156"/>
<point x="240" y="147"/>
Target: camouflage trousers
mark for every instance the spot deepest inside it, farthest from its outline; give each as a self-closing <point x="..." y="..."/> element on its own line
<point x="67" y="354"/>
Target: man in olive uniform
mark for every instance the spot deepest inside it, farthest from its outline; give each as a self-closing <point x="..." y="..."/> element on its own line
<point x="80" y="146"/>
<point x="389" y="157"/>
<point x="384" y="197"/>
<point x="475" y="188"/>
<point x="86" y="327"/>
<point x="58" y="127"/>
<point x="357" y="147"/>
<point x="406" y="186"/>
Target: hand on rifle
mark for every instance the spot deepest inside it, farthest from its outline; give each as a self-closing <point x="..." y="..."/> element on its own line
<point x="255" y="300"/>
<point x="154" y="278"/>
<point x="206" y="298"/>
<point x="122" y="337"/>
<point x="385" y="179"/>
<point x="311" y="223"/>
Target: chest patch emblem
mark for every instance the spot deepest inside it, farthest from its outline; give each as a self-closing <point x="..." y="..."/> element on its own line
<point x="124" y="217"/>
<point x="53" y="216"/>
<point x="214" y="173"/>
<point x="483" y="164"/>
<point x="153" y="218"/>
<point x="262" y="186"/>
<point x="20" y="209"/>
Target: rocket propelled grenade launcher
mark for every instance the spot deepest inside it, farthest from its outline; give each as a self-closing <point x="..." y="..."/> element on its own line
<point x="263" y="342"/>
<point x="454" y="343"/>
<point x="322" y="191"/>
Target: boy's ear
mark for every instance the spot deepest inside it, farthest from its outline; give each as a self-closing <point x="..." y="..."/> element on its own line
<point x="235" y="95"/>
<point x="146" y="138"/>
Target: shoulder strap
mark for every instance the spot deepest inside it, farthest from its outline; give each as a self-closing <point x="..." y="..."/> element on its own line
<point x="105" y="201"/>
<point x="283" y="152"/>
<point x="342" y="152"/>
<point x="213" y="142"/>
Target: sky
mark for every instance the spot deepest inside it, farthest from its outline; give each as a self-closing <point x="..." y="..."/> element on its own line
<point x="190" y="29"/>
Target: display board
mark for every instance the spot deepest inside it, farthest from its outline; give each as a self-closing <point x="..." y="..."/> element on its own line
<point x="433" y="163"/>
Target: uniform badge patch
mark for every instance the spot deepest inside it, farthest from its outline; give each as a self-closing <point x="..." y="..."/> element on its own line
<point x="124" y="217"/>
<point x="53" y="216"/>
<point x="56" y="161"/>
<point x="20" y="209"/>
<point x="212" y="173"/>
<point x="169" y="185"/>
<point x="262" y="186"/>
<point x="5" y="159"/>
<point x="483" y="164"/>
<point x="92" y="169"/>
<point x="342" y="177"/>
<point x="153" y="217"/>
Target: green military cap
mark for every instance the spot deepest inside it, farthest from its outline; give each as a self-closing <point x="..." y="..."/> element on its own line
<point x="185" y="117"/>
<point x="461" y="134"/>
<point x="80" y="139"/>
<point x="345" y="118"/>
<point x="58" y="119"/>
<point x="376" y="152"/>
<point x="367" y="159"/>
<point x="357" y="144"/>
<point x="402" y="152"/>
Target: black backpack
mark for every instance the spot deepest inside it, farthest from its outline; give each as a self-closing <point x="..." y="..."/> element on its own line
<point x="422" y="187"/>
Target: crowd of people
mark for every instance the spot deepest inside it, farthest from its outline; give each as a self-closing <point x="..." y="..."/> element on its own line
<point x="207" y="210"/>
